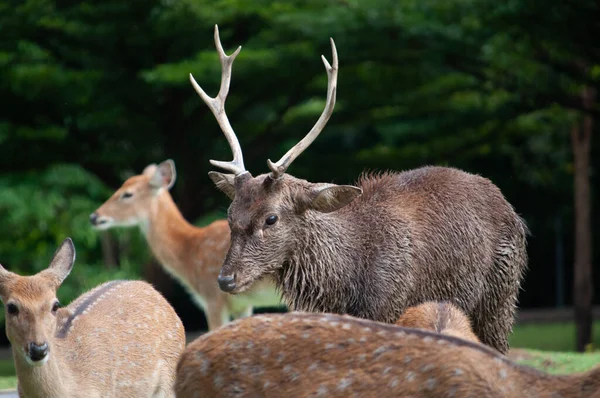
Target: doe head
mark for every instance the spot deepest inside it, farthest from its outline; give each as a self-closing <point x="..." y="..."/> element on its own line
<point x="31" y="305"/>
<point x="130" y="205"/>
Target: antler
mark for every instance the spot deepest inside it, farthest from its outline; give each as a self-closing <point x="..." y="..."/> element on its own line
<point x="279" y="168"/>
<point x="217" y="106"/>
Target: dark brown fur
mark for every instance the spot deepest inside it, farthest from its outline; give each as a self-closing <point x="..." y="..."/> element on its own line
<point x="324" y="355"/>
<point x="432" y="233"/>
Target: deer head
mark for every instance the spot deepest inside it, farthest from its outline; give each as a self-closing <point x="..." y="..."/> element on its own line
<point x="31" y="305"/>
<point x="131" y="203"/>
<point x="267" y="209"/>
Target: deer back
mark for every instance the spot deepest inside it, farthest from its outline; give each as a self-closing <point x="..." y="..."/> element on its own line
<point x="301" y="354"/>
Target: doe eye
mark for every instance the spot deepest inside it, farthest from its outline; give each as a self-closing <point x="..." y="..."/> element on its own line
<point x="272" y="219"/>
<point x="12" y="309"/>
<point x="126" y="195"/>
<point x="55" y="306"/>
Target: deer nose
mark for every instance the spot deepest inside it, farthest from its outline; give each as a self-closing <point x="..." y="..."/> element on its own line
<point x="226" y="282"/>
<point x="93" y="218"/>
<point x="38" y="352"/>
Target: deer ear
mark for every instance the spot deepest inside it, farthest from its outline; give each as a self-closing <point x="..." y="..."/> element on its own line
<point x="329" y="197"/>
<point x="149" y="170"/>
<point x="224" y="182"/>
<point x="5" y="276"/>
<point x="164" y="175"/>
<point x="61" y="263"/>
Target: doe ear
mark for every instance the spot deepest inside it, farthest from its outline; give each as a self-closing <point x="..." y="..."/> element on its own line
<point x="164" y="175"/>
<point x="329" y="197"/>
<point x="5" y="276"/>
<point x="149" y="170"/>
<point x="224" y="182"/>
<point x="61" y="263"/>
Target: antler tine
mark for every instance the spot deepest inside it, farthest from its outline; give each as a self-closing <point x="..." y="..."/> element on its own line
<point x="217" y="106"/>
<point x="279" y="168"/>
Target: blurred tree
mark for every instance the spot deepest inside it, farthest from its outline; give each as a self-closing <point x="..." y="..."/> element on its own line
<point x="102" y="88"/>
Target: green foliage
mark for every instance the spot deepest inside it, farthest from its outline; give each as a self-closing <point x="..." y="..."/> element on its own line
<point x="102" y="89"/>
<point x="39" y="210"/>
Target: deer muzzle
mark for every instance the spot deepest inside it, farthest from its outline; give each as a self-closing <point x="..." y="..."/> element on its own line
<point x="226" y="282"/>
<point x="38" y="352"/>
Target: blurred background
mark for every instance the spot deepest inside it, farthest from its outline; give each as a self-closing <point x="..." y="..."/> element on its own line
<point x="93" y="91"/>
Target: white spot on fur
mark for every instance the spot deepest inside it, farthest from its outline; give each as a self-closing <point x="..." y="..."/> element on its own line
<point x="394" y="383"/>
<point x="218" y="381"/>
<point x="407" y="359"/>
<point x="379" y="350"/>
<point x="502" y="373"/>
<point x="430" y="384"/>
<point x="322" y="391"/>
<point x="410" y="376"/>
<point x="344" y="383"/>
<point x="427" y="367"/>
<point x="427" y="339"/>
<point x="458" y="372"/>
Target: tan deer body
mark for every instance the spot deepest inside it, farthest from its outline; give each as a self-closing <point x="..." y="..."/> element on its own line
<point x="192" y="255"/>
<point x="439" y="317"/>
<point x="121" y="339"/>
<point x="325" y="355"/>
<point x="371" y="250"/>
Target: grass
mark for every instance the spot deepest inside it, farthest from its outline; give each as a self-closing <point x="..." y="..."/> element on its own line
<point x="557" y="362"/>
<point x="549" y="336"/>
<point x="546" y="346"/>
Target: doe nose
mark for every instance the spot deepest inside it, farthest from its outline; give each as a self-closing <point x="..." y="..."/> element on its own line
<point x="226" y="282"/>
<point x="38" y="352"/>
<point x="93" y="218"/>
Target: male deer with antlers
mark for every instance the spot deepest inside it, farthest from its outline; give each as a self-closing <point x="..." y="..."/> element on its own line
<point x="326" y="355"/>
<point x="371" y="250"/>
<point x="192" y="255"/>
<point x="121" y="339"/>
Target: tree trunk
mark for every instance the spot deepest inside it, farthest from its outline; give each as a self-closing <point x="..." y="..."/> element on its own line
<point x="581" y="135"/>
<point x="110" y="252"/>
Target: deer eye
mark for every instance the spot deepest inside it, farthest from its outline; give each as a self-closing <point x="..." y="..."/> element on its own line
<point x="12" y="309"/>
<point x="126" y="195"/>
<point x="55" y="307"/>
<point x="272" y="219"/>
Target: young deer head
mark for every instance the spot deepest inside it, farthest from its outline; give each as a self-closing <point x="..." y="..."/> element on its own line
<point x="371" y="250"/>
<point x="130" y="204"/>
<point x="32" y="307"/>
<point x="440" y="317"/>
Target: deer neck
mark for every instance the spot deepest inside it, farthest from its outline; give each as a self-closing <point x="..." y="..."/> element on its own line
<point x="317" y="277"/>
<point x="168" y="233"/>
<point x="51" y="380"/>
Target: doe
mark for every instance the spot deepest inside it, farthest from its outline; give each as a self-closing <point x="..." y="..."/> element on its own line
<point x="192" y="255"/>
<point x="121" y="339"/>
<point x="326" y="355"/>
